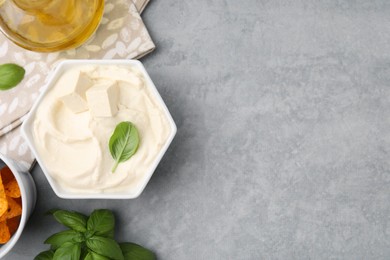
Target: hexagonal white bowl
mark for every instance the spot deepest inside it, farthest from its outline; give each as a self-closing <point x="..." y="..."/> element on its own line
<point x="28" y="135"/>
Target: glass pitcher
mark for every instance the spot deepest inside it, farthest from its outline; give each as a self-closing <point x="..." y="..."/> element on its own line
<point x="50" y="25"/>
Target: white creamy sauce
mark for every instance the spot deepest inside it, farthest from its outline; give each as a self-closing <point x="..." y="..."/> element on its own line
<point x="74" y="147"/>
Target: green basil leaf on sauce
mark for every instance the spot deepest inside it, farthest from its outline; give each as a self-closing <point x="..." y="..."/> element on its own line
<point x="123" y="143"/>
<point x="10" y="75"/>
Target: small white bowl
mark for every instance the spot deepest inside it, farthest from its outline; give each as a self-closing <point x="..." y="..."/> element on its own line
<point x="28" y="135"/>
<point x="28" y="195"/>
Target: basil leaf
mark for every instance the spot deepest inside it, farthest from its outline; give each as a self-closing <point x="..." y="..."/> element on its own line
<point x="58" y="239"/>
<point x="133" y="251"/>
<point x="88" y="256"/>
<point x="68" y="251"/>
<point x="51" y="212"/>
<point x="93" y="256"/>
<point x="88" y="234"/>
<point x="102" y="222"/>
<point x="105" y="246"/>
<point x="73" y="220"/>
<point x="110" y="234"/>
<point x="123" y="143"/>
<point x="84" y="251"/>
<point x="10" y="75"/>
<point x="46" y="255"/>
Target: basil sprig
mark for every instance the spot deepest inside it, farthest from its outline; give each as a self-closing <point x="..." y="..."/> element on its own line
<point x="123" y="143"/>
<point x="101" y="222"/>
<point x="105" y="246"/>
<point x="134" y="251"/>
<point x="10" y="75"/>
<point x="90" y="238"/>
<point x="73" y="220"/>
<point x="69" y="251"/>
<point x="60" y="238"/>
<point x="46" y="255"/>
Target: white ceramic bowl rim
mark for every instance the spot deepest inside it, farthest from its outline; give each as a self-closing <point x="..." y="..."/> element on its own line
<point x="26" y="129"/>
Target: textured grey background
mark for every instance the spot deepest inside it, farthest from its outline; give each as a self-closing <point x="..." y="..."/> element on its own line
<point x="283" y="144"/>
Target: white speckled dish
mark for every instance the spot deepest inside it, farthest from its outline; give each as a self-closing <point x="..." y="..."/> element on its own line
<point x="28" y="194"/>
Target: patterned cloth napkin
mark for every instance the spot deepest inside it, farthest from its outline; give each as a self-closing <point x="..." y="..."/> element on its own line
<point x="121" y="34"/>
<point x="140" y="4"/>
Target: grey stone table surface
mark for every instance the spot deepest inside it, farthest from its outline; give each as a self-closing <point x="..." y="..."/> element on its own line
<point x="283" y="143"/>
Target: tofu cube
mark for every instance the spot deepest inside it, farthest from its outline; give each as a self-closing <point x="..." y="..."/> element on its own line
<point x="103" y="99"/>
<point x="75" y="99"/>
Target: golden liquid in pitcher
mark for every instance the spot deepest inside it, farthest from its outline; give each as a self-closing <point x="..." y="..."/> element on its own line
<point x="50" y="25"/>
